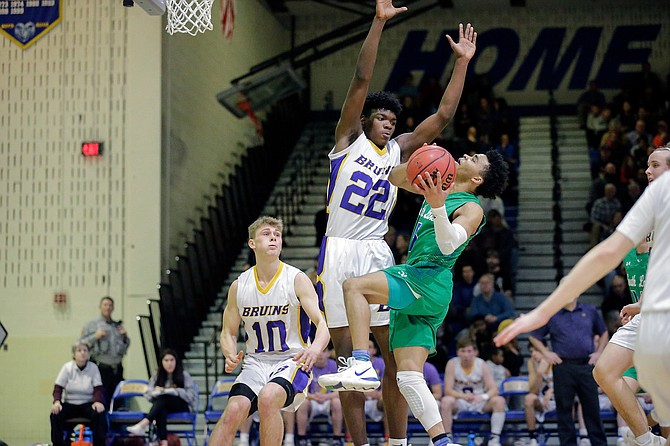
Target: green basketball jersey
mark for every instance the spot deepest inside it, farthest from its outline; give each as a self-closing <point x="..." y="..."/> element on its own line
<point x="423" y="247"/>
<point x="636" y="270"/>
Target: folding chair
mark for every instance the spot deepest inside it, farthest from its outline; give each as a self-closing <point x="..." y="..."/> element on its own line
<point x="216" y="402"/>
<point x="183" y="424"/>
<point x="514" y="389"/>
<point x="122" y="418"/>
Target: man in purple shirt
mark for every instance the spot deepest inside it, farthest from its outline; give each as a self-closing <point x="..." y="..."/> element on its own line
<point x="574" y="352"/>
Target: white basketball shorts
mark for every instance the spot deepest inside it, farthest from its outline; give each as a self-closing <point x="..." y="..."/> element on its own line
<point x="626" y="335"/>
<point x="342" y="259"/>
<point x="652" y="359"/>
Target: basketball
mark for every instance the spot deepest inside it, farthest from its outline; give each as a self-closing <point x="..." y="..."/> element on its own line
<point x="433" y="159"/>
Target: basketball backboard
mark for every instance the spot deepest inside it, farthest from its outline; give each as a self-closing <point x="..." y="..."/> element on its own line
<point x="260" y="91"/>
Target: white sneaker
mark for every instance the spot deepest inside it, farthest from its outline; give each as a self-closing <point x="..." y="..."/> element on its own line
<point x="494" y="441"/>
<point x="655" y="440"/>
<point x="354" y="375"/>
<point x="137" y="429"/>
<point x="584" y="442"/>
<point x="532" y="442"/>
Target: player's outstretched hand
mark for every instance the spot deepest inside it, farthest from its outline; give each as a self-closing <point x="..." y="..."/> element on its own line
<point x="467" y="42"/>
<point x="431" y="189"/>
<point x="306" y="359"/>
<point x="522" y="324"/>
<point x="628" y="312"/>
<point x="232" y="361"/>
<point x="386" y="10"/>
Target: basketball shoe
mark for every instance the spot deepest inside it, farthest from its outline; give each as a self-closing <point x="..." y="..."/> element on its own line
<point x="353" y="375"/>
<point x="629" y="438"/>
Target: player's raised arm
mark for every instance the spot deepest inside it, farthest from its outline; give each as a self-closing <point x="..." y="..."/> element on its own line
<point x="432" y="126"/>
<point x="590" y="268"/>
<point x="229" y="331"/>
<point x="349" y="126"/>
<point x="309" y="302"/>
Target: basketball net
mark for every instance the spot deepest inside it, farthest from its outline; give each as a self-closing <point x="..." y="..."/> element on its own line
<point x="189" y="16"/>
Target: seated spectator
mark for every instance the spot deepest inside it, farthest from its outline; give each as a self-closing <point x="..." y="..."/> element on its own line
<point x="602" y="211"/>
<point x="640" y="131"/>
<point x="596" y="126"/>
<point x="478" y="333"/>
<point x="171" y="390"/>
<point x="464" y="284"/>
<point x="512" y="356"/>
<point x="432" y="377"/>
<point x="493" y="305"/>
<point x="495" y="364"/>
<point x="469" y="386"/>
<point x="495" y="235"/>
<point x="633" y="192"/>
<point x="320" y="401"/>
<point x="617" y="297"/>
<point x="592" y="96"/>
<point x="540" y="397"/>
<point x="78" y="392"/>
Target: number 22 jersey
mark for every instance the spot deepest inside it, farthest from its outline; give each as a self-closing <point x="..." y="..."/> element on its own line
<point x="276" y="325"/>
<point x="360" y="196"/>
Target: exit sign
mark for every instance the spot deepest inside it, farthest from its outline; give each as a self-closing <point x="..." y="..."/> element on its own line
<point x="91" y="148"/>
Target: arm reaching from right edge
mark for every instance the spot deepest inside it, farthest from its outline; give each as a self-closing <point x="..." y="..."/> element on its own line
<point x="590" y="268"/>
<point x="229" y="331"/>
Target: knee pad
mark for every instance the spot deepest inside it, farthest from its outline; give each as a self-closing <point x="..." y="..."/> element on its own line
<point x="419" y="398"/>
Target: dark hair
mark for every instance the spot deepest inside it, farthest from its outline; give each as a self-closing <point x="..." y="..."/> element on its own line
<point x="495" y="176"/>
<point x="381" y="99"/>
<point x="177" y="375"/>
<point x="464" y="342"/>
<point x="104" y="298"/>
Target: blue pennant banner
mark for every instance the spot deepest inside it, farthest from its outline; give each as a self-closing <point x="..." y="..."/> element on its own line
<point x="24" y="22"/>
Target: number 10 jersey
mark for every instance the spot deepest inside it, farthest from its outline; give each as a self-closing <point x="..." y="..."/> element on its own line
<point x="275" y="323"/>
<point x="360" y="196"/>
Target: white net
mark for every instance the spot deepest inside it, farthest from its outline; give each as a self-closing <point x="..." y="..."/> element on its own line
<point x="189" y="16"/>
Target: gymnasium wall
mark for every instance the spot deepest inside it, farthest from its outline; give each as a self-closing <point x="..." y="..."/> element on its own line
<point x="523" y="50"/>
<point x="203" y="140"/>
<point x="89" y="227"/>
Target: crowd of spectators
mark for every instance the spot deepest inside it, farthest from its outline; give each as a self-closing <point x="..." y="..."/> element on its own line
<point x="620" y="134"/>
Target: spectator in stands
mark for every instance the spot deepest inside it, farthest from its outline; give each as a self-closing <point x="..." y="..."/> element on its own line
<point x="469" y="386"/>
<point x="500" y="271"/>
<point x="171" y="389"/>
<point x="464" y="284"/>
<point x="626" y="117"/>
<point x="496" y="367"/>
<point x="602" y="211"/>
<point x="430" y="92"/>
<point x="661" y="137"/>
<point x="463" y="120"/>
<point x="478" y="333"/>
<point x="78" y="392"/>
<point x="484" y="120"/>
<point x="572" y="331"/>
<point x="592" y="96"/>
<point x="108" y="342"/>
<point x="596" y="126"/>
<point x="617" y="297"/>
<point x="401" y="246"/>
<point x="510" y="153"/>
<point x="608" y="174"/>
<point x="640" y="131"/>
<point x="512" y="356"/>
<point x="321" y="402"/>
<point x="496" y="236"/>
<point x="641" y="151"/>
<point x="493" y="305"/>
<point x="540" y="397"/>
<point x="473" y="144"/>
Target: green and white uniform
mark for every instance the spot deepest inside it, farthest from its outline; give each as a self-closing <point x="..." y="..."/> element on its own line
<point x="421" y="290"/>
<point x="636" y="270"/>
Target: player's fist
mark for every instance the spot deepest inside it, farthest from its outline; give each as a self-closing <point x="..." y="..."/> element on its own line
<point x="233" y="361"/>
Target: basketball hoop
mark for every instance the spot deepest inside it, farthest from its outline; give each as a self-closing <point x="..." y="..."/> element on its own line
<point x="189" y="16"/>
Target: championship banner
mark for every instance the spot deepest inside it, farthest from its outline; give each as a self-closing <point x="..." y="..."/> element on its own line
<point x="26" y="21"/>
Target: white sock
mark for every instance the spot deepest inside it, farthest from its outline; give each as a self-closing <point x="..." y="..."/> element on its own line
<point x="288" y="438"/>
<point x="583" y="433"/>
<point x="397" y="442"/>
<point x="644" y="438"/>
<point x="497" y="422"/>
<point x="244" y="438"/>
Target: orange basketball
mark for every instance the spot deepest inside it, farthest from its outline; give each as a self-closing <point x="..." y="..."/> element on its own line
<point x="433" y="159"/>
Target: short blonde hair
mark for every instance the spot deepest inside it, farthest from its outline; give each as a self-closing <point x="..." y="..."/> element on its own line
<point x="265" y="220"/>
